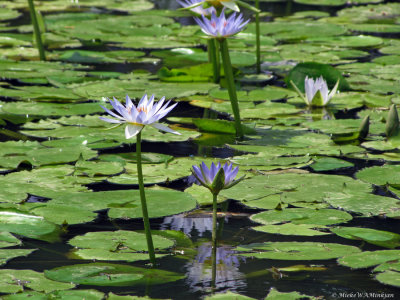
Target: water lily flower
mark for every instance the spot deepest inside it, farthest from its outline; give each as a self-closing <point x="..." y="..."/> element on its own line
<point x="220" y="27"/>
<point x="217" y="177"/>
<point x="136" y="117"/>
<point x="196" y="6"/>
<point x="224" y="3"/>
<point x="317" y="93"/>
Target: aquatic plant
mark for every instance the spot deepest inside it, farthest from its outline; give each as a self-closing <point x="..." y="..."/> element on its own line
<point x="36" y="30"/>
<point x="136" y="118"/>
<point x="317" y="93"/>
<point x="216" y="178"/>
<point x="221" y="28"/>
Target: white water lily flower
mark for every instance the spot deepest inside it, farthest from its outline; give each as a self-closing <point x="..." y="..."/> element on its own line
<point x="317" y="93"/>
<point x="226" y="3"/>
<point x="196" y="6"/>
<point x="146" y="113"/>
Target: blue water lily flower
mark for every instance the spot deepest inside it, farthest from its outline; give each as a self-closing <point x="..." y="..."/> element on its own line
<point x="220" y="27"/>
<point x="147" y="112"/>
<point x="217" y="177"/>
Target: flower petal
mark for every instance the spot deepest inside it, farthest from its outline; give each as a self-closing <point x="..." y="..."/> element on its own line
<point x="164" y="128"/>
<point x="132" y="130"/>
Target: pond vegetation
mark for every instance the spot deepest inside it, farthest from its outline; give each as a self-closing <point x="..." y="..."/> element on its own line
<point x="316" y="213"/>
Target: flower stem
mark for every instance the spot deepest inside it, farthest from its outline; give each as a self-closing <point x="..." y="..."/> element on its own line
<point x="146" y="221"/>
<point x="36" y="30"/>
<point x="214" y="243"/>
<point x="226" y="61"/>
<point x="258" y="52"/>
<point x="213" y="56"/>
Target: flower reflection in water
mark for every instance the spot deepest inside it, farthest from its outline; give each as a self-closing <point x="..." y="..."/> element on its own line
<point x="228" y="276"/>
<point x="186" y="223"/>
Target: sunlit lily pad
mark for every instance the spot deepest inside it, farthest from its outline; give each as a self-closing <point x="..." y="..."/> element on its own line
<point x="377" y="237"/>
<point x="103" y="274"/>
<point x="389" y="278"/>
<point x="116" y="245"/>
<point x="292" y="229"/>
<point x="7" y="254"/>
<point x="368" y="259"/>
<point x="126" y="203"/>
<point x="25" y="224"/>
<point x="296" y="250"/>
<point x="14" y="281"/>
<point x="8" y="240"/>
<point x="387" y="174"/>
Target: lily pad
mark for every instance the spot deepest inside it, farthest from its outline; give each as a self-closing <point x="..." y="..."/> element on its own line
<point x="296" y="250"/>
<point x="377" y="237"/>
<point x="103" y="274"/>
<point x="14" y="281"/>
<point x="116" y="245"/>
<point x="389" y="278"/>
<point x="25" y="224"/>
<point x="368" y="259"/>
<point x="387" y="174"/>
<point x="8" y="254"/>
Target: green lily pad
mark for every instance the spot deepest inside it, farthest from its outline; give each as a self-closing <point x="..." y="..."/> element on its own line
<point x="296" y="250"/>
<point x="302" y="216"/>
<point x="377" y="237"/>
<point x="329" y="163"/>
<point x="8" y="240"/>
<point x="363" y="203"/>
<point x="389" y="278"/>
<point x="103" y="274"/>
<point x="116" y="245"/>
<point x="315" y="70"/>
<point x="126" y="203"/>
<point x="228" y="296"/>
<point x="292" y="229"/>
<point x="14" y="281"/>
<point x="276" y="295"/>
<point x="25" y="224"/>
<point x="368" y="259"/>
<point x="387" y="174"/>
<point x="8" y="254"/>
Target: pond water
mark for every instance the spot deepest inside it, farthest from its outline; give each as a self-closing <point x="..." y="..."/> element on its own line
<point x="318" y="213"/>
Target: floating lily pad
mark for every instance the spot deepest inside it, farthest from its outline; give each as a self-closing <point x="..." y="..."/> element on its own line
<point x="276" y="295"/>
<point x="389" y="278"/>
<point x="387" y="174"/>
<point x="296" y="250"/>
<point x="14" y="281"/>
<point x="292" y="229"/>
<point x="377" y="237"/>
<point x="25" y="224"/>
<point x="116" y="245"/>
<point x="103" y="274"/>
<point x="329" y="163"/>
<point x="7" y="254"/>
<point x="302" y="216"/>
<point x="368" y="259"/>
<point x="126" y="203"/>
<point x="228" y="296"/>
<point x="8" y="240"/>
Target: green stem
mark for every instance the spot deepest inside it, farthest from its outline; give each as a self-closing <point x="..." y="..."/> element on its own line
<point x="258" y="52"/>
<point x="214" y="243"/>
<point x="36" y="30"/>
<point x="146" y="221"/>
<point x="212" y="55"/>
<point x="226" y="61"/>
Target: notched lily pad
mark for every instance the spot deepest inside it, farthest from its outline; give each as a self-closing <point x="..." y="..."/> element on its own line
<point x="103" y="274"/>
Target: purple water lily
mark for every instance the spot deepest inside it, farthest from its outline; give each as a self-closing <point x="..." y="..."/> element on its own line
<point x="146" y="113"/>
<point x="207" y="176"/>
<point x="220" y="27"/>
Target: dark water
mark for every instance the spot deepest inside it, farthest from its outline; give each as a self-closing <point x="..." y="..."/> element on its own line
<point x="251" y="277"/>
